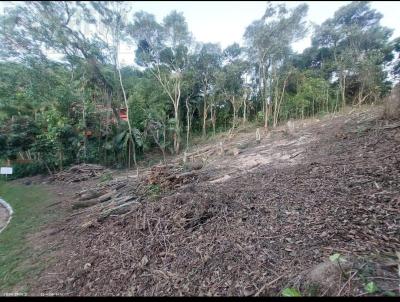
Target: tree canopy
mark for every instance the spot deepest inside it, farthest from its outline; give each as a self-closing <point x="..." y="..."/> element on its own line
<point x="85" y="107"/>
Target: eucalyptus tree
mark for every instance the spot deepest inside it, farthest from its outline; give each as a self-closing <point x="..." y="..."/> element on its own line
<point x="34" y="30"/>
<point x="395" y="68"/>
<point x="191" y="93"/>
<point x="163" y="49"/>
<point x="269" y="40"/>
<point x="113" y="16"/>
<point x="38" y="28"/>
<point x="356" y="40"/>
<point x="230" y="79"/>
<point x="207" y="62"/>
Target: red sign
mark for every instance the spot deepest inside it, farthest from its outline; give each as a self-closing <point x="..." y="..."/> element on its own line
<point x="123" y="115"/>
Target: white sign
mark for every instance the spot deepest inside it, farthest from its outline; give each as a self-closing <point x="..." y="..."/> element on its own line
<point x="6" y="170"/>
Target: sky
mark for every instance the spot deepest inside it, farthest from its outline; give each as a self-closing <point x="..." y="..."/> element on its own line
<point x="225" y="22"/>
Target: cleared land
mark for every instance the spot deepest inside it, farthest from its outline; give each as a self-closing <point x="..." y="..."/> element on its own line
<point x="255" y="219"/>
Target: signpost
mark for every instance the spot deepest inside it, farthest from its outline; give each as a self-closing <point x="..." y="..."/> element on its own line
<point x="6" y="171"/>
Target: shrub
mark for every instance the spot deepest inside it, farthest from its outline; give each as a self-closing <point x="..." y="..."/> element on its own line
<point x="27" y="169"/>
<point x="392" y="104"/>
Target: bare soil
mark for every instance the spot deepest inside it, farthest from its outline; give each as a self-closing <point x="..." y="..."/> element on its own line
<point x="248" y="224"/>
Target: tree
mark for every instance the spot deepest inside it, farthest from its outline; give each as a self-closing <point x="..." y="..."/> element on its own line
<point x="230" y="80"/>
<point x="163" y="49"/>
<point x="268" y="41"/>
<point x="207" y="63"/>
<point x="352" y="35"/>
<point x="113" y="14"/>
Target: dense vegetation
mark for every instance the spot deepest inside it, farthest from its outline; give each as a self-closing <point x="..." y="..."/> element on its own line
<point x="61" y="109"/>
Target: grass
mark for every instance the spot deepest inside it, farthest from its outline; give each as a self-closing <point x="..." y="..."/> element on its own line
<point x="19" y="260"/>
<point x="154" y="190"/>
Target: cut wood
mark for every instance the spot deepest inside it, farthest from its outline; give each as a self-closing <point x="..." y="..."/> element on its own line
<point x="197" y="165"/>
<point x="180" y="176"/>
<point x="124" y="199"/>
<point x="90" y="194"/>
<point x="106" y="196"/>
<point x="121" y="209"/>
<point x="84" y="204"/>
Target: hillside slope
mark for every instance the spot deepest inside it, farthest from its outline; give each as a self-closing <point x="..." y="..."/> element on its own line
<point x="251" y="223"/>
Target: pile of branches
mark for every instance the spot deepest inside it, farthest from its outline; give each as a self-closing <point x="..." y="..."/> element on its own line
<point x="113" y="197"/>
<point x="170" y="176"/>
<point x="119" y="196"/>
<point x="80" y="173"/>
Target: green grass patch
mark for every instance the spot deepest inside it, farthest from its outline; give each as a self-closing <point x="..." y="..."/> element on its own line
<point x="18" y="259"/>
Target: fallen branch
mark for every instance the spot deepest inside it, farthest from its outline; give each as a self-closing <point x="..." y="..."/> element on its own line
<point x="268" y="284"/>
<point x="347" y="282"/>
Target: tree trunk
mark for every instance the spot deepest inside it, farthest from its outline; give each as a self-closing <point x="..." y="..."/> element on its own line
<point x="343" y="89"/>
<point x="213" y="119"/>
<point x="234" y="112"/>
<point x="116" y="44"/>
<point x="204" y="118"/>
<point x="84" y="127"/>
<point x="244" y="110"/>
<point x="277" y="110"/>
<point x="265" y="99"/>
<point x="204" y="110"/>
<point x="177" y="128"/>
<point x="61" y="159"/>
<point x="129" y="122"/>
<point x="177" y="137"/>
<point x="187" y="122"/>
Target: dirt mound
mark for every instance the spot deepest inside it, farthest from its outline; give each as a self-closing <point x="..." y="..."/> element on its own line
<point x="253" y="234"/>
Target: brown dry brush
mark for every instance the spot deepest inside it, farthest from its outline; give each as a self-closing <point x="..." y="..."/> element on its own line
<point x="80" y="173"/>
<point x="392" y="104"/>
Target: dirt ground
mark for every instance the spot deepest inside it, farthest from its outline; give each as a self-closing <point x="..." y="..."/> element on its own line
<point x="248" y="224"/>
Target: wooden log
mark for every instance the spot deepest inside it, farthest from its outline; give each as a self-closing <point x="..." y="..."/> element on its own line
<point x="200" y="151"/>
<point x="90" y="194"/>
<point x="121" y="209"/>
<point x="106" y="196"/>
<point x="124" y="199"/>
<point x="179" y="176"/>
<point x="197" y="165"/>
<point x="84" y="204"/>
<point x="118" y="186"/>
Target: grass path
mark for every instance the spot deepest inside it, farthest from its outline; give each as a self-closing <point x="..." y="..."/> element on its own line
<point x="19" y="260"/>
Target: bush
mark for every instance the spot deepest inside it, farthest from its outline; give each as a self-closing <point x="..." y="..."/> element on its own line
<point x="392" y="104"/>
<point x="27" y="169"/>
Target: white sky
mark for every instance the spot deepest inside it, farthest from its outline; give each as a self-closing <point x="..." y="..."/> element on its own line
<point x="224" y="22"/>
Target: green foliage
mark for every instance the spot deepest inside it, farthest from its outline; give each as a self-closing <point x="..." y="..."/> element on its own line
<point x="66" y="111"/>
<point x="27" y="169"/>
<point x="106" y="177"/>
<point x="371" y="287"/>
<point x="290" y="292"/>
<point x="335" y="257"/>
<point x="154" y="190"/>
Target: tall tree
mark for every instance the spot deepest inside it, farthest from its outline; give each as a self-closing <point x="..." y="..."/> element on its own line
<point x="163" y="48"/>
<point x="352" y="35"/>
<point x="269" y="40"/>
<point x="207" y="63"/>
